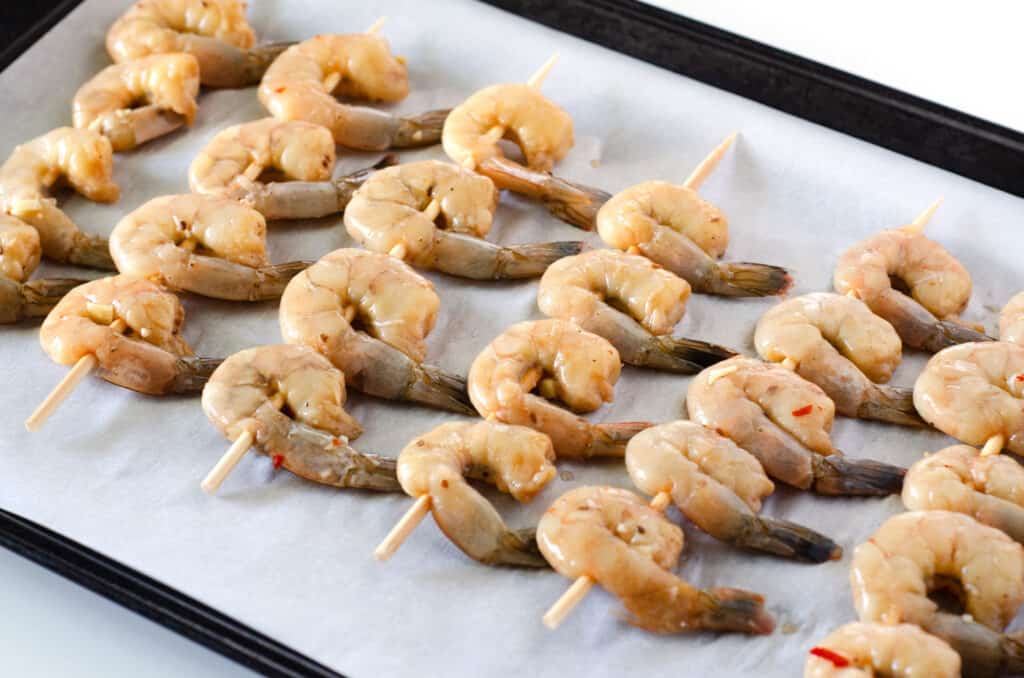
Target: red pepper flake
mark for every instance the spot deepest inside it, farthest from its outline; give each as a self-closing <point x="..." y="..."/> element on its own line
<point x="336" y="442"/>
<point x="278" y="459"/>
<point x="803" y="411"/>
<point x="278" y="90"/>
<point x="838" y="660"/>
<point x="1020" y="377"/>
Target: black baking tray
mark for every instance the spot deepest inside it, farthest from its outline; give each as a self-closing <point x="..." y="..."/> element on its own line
<point x="940" y="136"/>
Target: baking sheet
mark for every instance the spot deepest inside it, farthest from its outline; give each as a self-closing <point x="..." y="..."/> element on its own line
<point x="120" y="472"/>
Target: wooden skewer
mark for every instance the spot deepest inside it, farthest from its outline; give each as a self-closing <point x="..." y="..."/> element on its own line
<point x="708" y="164"/>
<point x="376" y="25"/>
<point x="918" y="224"/>
<point x="429" y="213"/>
<point x="789" y="364"/>
<point x="403" y="528"/>
<point x="993" y="445"/>
<point x="227" y="463"/>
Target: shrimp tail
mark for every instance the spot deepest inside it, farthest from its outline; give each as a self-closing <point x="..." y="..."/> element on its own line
<point x="745" y="279"/>
<point x="737" y="610"/>
<point x="949" y="333"/>
<point x="985" y="653"/>
<point x="223" y="65"/>
<point x="893" y="405"/>
<point x="685" y="356"/>
<point x="789" y="540"/>
<point x="609" y="440"/>
<point x="324" y="458"/>
<point x="192" y="373"/>
<point x="271" y="280"/>
<point x="91" y="251"/>
<point x="530" y="261"/>
<point x="838" y="475"/>
<point x="420" y="130"/>
<point x="33" y="299"/>
<point x="436" y="388"/>
<point x="681" y="608"/>
<point x="518" y="548"/>
<point x="132" y="128"/>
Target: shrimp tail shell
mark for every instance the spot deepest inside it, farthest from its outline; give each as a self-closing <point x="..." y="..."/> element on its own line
<point x="609" y="440"/>
<point x="469" y="257"/>
<point x="228" y="66"/>
<point x="192" y="373"/>
<point x="685" y="356"/>
<point x="518" y="548"/>
<point x="949" y="333"/>
<point x="985" y="653"/>
<point x="273" y="279"/>
<point x="530" y="261"/>
<point x="745" y="279"/>
<point x="839" y="475"/>
<point x="33" y="299"/>
<point x="91" y="252"/>
<point x="893" y="405"/>
<point x="721" y="609"/>
<point x="437" y="388"/>
<point x="789" y="540"/>
<point x="420" y="130"/>
<point x="323" y="458"/>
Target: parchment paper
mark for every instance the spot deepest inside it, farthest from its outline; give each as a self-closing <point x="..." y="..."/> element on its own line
<point x="120" y="472"/>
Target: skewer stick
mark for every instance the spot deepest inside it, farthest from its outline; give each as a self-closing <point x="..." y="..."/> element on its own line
<point x="376" y="25"/>
<point x="538" y="78"/>
<point x="993" y="445"/>
<point x="789" y="364"/>
<point x="227" y="463"/>
<point x="708" y="164"/>
<point x="918" y="224"/>
<point x="403" y="528"/>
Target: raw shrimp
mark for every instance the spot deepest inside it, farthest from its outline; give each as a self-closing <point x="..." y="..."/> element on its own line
<point x="515" y="459"/>
<point x="82" y="158"/>
<point x="215" y="32"/>
<point x="541" y="130"/>
<point x="840" y="345"/>
<point x="914" y="553"/>
<point x="938" y="286"/>
<point x="989" y="489"/>
<point x="632" y="303"/>
<point x="198" y="243"/>
<point x="303" y="82"/>
<point x="567" y="363"/>
<point x="395" y="309"/>
<point x="1011" y="320"/>
<point x="863" y="650"/>
<point x="291" y="399"/>
<point x="784" y="420"/>
<point x="434" y="215"/>
<point x="719" y="487"/>
<point x="675" y="228"/>
<point x="975" y="392"/>
<point x="167" y="83"/>
<point x="19" y="256"/>
<point x="612" y="536"/>
<point x="149" y="355"/>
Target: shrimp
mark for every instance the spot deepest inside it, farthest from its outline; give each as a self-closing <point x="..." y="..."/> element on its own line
<point x="975" y="392"/>
<point x="303" y="82"/>
<point x="541" y="130"/>
<point x="567" y="363"/>
<point x="938" y="286"/>
<point x="915" y="553"/>
<point x="719" y="487"/>
<point x="517" y="460"/>
<point x="395" y="308"/>
<point x="632" y="303"/>
<point x="215" y="32"/>
<point x="840" y="345"/>
<point x="394" y="212"/>
<point x="1011" y="320"/>
<point x="167" y="83"/>
<point x="863" y="650"/>
<point x="201" y="244"/>
<point x="613" y="537"/>
<point x="148" y="356"/>
<point x="19" y="255"/>
<point x="85" y="160"/>
<point x="675" y="228"/>
<point x="291" y="399"/>
<point x="784" y="420"/>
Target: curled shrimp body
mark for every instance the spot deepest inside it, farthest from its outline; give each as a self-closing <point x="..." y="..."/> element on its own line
<point x="678" y="230"/>
<point x="1011" y="320"/>
<point x="542" y="131"/>
<point x="840" y="345"/>
<point x="201" y="244"/>
<point x="974" y="392"/>
<point x="215" y="32"/>
<point x="515" y="459"/>
<point x="989" y="489"/>
<point x="303" y="82"/>
<point x="390" y="211"/>
<point x="251" y="388"/>
<point x="938" y="285"/>
<point x="914" y="553"/>
<point x="396" y="309"/>
<point x="19" y="255"/>
<point x="719" y="487"/>
<point x="632" y="303"/>
<point x="149" y="355"/>
<point x="785" y="421"/>
<point x="168" y="84"/>
<point x="82" y="158"/>
<point x="569" y="364"/>
<point x="612" y="536"/>
<point x="863" y="650"/>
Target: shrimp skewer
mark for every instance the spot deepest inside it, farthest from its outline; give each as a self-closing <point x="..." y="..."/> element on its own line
<point x="784" y="421"/>
<point x="632" y="303"/>
<point x="435" y="466"/>
<point x="1011" y="320"/>
<point x="868" y="649"/>
<point x="398" y="210"/>
<point x="565" y="362"/>
<point x="20" y="251"/>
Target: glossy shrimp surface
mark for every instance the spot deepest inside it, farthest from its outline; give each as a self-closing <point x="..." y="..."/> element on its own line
<point x="864" y="650"/>
<point x="1011" y="320"/>
<point x="19" y="255"/>
<point x="515" y="459"/>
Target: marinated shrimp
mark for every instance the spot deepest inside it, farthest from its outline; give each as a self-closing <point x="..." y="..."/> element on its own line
<point x="632" y="303"/>
<point x="434" y="215"/>
<point x="1011" y="320"/>
<point x="678" y="230"/>
<point x="303" y="82"/>
<point x="612" y="536"/>
<point x="82" y="158"/>
<point x="784" y="420"/>
<point x="149" y="355"/>
<point x="565" y="363"/>
<point x="370" y="314"/>
<point x="863" y="650"/>
<point x="718" y="486"/>
<point x="515" y="459"/>
<point x="937" y="287"/>
<point x="914" y="553"/>
<point x="541" y="130"/>
<point x="840" y="345"/>
<point x="292" y="401"/>
<point x="975" y="392"/>
<point x="215" y="32"/>
<point x="19" y="255"/>
<point x="167" y="84"/>
<point x="201" y="244"/>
